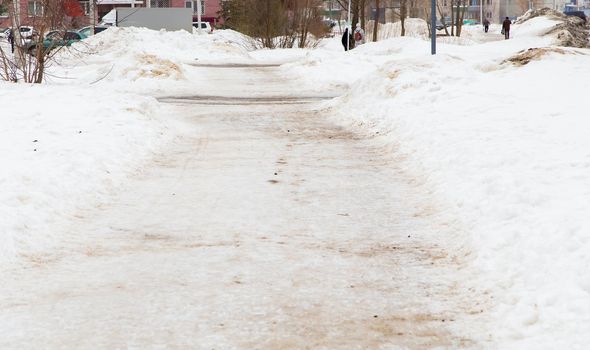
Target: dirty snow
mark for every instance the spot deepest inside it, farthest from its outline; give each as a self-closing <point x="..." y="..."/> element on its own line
<point x="500" y="134"/>
<point x="492" y="131"/>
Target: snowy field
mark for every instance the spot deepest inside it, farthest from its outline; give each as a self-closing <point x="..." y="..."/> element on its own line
<point x="498" y="136"/>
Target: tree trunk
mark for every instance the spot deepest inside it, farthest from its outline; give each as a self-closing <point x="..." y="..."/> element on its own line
<point x="376" y="23"/>
<point x="355" y="13"/>
<point x="355" y="20"/>
<point x="402" y="15"/>
<point x="462" y="15"/>
<point x="363" y="12"/>
<point x="452" y="18"/>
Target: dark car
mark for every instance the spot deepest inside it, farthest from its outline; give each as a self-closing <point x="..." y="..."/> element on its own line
<point x="579" y="14"/>
<point x="56" y="39"/>
<point x="91" y="30"/>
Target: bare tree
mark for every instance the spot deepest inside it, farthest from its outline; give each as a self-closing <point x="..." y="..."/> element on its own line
<point x="276" y="23"/>
<point x="442" y="18"/>
<point x="30" y="57"/>
<point x="403" y="13"/>
<point x="376" y="21"/>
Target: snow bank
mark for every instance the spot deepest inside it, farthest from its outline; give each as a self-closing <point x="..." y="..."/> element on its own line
<point x="72" y="141"/>
<point x="145" y="60"/>
<point x="415" y="28"/>
<point x="563" y="30"/>
<point x="505" y="147"/>
<point x="64" y="148"/>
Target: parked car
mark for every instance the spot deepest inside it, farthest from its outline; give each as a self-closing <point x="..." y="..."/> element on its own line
<point x="205" y="26"/>
<point x="56" y="39"/>
<point x="91" y="30"/>
<point x="27" y="33"/>
<point x="4" y="32"/>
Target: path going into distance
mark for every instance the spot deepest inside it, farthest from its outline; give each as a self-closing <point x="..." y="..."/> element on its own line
<point x="262" y="225"/>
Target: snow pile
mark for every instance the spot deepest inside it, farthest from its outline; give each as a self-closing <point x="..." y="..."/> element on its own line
<point x="62" y="149"/>
<point x="565" y="30"/>
<point x="415" y="27"/>
<point x="501" y="141"/>
<point x="143" y="59"/>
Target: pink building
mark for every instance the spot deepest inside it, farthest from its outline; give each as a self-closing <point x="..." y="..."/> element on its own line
<point x="30" y="8"/>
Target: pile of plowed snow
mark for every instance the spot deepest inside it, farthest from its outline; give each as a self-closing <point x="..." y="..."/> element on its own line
<point x="504" y="150"/>
<point x="145" y="59"/>
<point x="64" y="149"/>
<point x="414" y="28"/>
<point x="566" y="30"/>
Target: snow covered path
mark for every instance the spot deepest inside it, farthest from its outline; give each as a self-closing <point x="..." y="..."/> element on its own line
<point x="262" y="225"/>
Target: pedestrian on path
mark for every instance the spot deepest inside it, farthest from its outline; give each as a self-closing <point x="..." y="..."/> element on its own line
<point x="506" y="28"/>
<point x="11" y="40"/>
<point x="359" y="35"/>
<point x="350" y="43"/>
<point x="486" y="25"/>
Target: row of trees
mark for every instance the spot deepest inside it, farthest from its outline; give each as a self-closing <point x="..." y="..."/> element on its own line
<point x="276" y="23"/>
<point x="407" y="8"/>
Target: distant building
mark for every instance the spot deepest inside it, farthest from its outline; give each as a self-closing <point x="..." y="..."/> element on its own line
<point x="30" y="9"/>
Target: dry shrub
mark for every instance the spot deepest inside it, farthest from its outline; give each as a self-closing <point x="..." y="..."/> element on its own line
<point x="276" y="23"/>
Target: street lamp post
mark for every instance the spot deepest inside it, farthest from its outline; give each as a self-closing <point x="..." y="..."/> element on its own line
<point x="349" y="28"/>
<point x="433" y="27"/>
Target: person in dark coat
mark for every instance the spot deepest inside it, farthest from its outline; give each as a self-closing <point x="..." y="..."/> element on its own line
<point x="350" y="40"/>
<point x="486" y="25"/>
<point x="11" y="40"/>
<point x="506" y="28"/>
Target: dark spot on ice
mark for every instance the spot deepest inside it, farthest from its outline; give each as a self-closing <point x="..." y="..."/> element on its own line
<point x="375" y="316"/>
<point x="35" y="140"/>
<point x="273" y="181"/>
<point x="276" y="174"/>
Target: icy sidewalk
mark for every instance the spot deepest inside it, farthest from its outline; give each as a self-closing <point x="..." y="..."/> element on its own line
<point x="260" y="226"/>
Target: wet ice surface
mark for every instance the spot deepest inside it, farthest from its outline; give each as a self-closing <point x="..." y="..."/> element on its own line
<point x="262" y="225"/>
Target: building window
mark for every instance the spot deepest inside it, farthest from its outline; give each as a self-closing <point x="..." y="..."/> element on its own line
<point x="35" y="8"/>
<point x="159" y="3"/>
<point x="85" y="7"/>
<point x="195" y="8"/>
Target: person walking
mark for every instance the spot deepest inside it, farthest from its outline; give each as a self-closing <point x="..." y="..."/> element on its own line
<point x="347" y="44"/>
<point x="11" y="40"/>
<point x="486" y="25"/>
<point x="359" y="35"/>
<point x="506" y="28"/>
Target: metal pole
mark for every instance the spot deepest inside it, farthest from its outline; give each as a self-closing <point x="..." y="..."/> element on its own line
<point x="481" y="12"/>
<point x="199" y="8"/>
<point x="433" y="27"/>
<point x="349" y="28"/>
